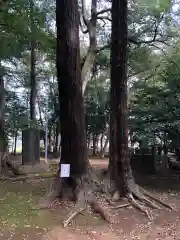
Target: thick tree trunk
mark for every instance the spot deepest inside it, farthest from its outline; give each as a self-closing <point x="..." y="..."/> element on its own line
<point x="73" y="137"/>
<point x="119" y="127"/>
<point x="72" y="122"/>
<point x="30" y="146"/>
<point x="120" y="157"/>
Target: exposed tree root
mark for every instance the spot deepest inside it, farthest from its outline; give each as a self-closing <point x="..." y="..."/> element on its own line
<point x="84" y="189"/>
<point x="50" y="197"/>
<point x="76" y="210"/>
<point x="139" y="198"/>
<point x="85" y="193"/>
<point x="157" y="199"/>
<point x="138" y="206"/>
<point x="121" y="206"/>
<point x="99" y="209"/>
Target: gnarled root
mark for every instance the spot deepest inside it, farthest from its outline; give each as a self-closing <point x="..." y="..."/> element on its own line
<point x="85" y="197"/>
<point x="140" y="198"/>
<point x="76" y="210"/>
<point x="99" y="209"/>
<point x="138" y="206"/>
<point x="146" y="193"/>
<point x="121" y="206"/>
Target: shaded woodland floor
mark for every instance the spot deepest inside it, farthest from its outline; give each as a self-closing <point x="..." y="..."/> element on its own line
<point x="19" y="221"/>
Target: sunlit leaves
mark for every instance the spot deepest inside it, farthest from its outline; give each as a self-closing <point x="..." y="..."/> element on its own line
<point x="162" y="5"/>
<point x="156" y="104"/>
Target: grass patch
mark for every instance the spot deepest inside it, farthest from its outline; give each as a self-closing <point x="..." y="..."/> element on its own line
<point x="16" y="202"/>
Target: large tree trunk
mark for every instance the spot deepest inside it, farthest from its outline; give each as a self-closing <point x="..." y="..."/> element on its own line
<point x="120" y="159"/>
<point x="119" y="92"/>
<point x="72" y="122"/>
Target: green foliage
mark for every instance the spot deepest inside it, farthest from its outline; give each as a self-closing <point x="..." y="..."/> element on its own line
<point x="15" y="114"/>
<point x="97" y="106"/>
<point x="162" y="5"/>
<point x="156" y="90"/>
<point x="156" y="103"/>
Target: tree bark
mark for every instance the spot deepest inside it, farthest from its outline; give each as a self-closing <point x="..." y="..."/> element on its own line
<point x="57" y="131"/>
<point x="73" y="136"/>
<point x="41" y="121"/>
<point x="72" y="120"/>
<point x="120" y="157"/>
<point x="94" y="144"/>
<point x="119" y="92"/>
<point x="15" y="141"/>
<point x="2" y="96"/>
<point x="105" y="146"/>
<point x="91" y="53"/>
<point x="33" y="93"/>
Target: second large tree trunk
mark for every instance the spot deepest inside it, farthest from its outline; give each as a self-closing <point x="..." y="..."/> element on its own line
<point x="119" y="94"/>
<point x="120" y="168"/>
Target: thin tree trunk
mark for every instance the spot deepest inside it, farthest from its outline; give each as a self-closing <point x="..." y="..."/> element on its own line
<point x="2" y="96"/>
<point x="101" y="141"/>
<point x="49" y="139"/>
<point x="94" y="144"/>
<point x="12" y="146"/>
<point x="41" y="121"/>
<point x="91" y="53"/>
<point x="57" y="130"/>
<point x="33" y="84"/>
<point x="105" y="146"/>
<point x="33" y="94"/>
<point x="15" y="142"/>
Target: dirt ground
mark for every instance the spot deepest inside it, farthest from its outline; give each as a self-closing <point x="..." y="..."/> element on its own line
<point x="19" y="221"/>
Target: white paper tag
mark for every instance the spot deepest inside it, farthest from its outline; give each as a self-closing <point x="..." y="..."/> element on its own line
<point x="65" y="170"/>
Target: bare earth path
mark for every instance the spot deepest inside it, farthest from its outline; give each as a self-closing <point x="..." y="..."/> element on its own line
<point x="18" y="220"/>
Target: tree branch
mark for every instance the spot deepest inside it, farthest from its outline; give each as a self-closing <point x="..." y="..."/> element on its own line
<point x="103" y="11"/>
<point x="104" y="18"/>
<point x="85" y="20"/>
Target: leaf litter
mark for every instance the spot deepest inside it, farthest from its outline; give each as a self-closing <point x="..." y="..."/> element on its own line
<point x="18" y="221"/>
